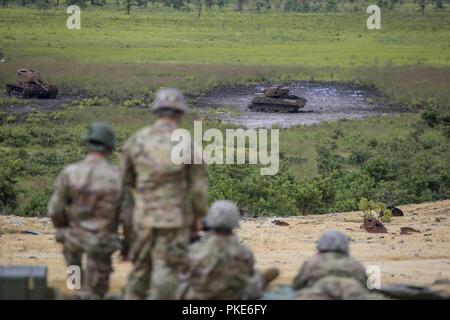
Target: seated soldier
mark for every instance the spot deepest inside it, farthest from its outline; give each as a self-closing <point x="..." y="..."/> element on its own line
<point x="332" y="273"/>
<point x="219" y="266"/>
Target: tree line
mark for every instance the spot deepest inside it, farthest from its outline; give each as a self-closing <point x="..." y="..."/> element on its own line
<point x="258" y="6"/>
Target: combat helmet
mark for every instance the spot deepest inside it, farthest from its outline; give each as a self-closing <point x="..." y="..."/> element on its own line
<point x="169" y="99"/>
<point x="223" y="214"/>
<point x="333" y="241"/>
<point x="100" y="137"/>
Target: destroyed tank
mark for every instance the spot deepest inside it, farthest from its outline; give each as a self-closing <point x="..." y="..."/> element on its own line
<point x="30" y="85"/>
<point x="277" y="99"/>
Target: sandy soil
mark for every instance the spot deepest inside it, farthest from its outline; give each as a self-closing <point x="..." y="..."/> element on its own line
<point x="418" y="258"/>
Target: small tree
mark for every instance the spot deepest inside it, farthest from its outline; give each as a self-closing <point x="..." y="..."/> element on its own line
<point x="374" y="210"/>
<point x="258" y="5"/>
<point x="422" y="5"/>
<point x="221" y="4"/>
<point x="43" y="6"/>
<point x="240" y="5"/>
<point x="331" y="5"/>
<point x="198" y="7"/>
<point x="438" y="4"/>
<point x="209" y="4"/>
<point x="128" y="5"/>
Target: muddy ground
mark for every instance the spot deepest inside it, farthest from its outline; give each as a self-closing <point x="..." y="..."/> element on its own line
<point x="417" y="258"/>
<point x="326" y="102"/>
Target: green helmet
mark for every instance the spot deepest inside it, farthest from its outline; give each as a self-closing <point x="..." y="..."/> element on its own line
<point x="169" y="99"/>
<point x="333" y="241"/>
<point x="100" y="137"/>
<point x="223" y="214"/>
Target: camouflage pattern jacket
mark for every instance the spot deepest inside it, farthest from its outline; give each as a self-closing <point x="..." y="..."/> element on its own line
<point x="90" y="190"/>
<point x="330" y="264"/>
<point x="220" y="268"/>
<point x="161" y="188"/>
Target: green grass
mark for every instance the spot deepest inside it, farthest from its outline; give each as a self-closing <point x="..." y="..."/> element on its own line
<point x="271" y="38"/>
<point x="119" y="55"/>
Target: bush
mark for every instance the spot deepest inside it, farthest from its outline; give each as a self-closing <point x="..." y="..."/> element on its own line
<point x="12" y="138"/>
<point x="430" y="117"/>
<point x="8" y="187"/>
<point x="34" y="204"/>
<point x="93" y="102"/>
<point x="255" y="194"/>
<point x="374" y="210"/>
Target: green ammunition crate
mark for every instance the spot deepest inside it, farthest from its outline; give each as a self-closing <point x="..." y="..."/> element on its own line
<point x="23" y="283"/>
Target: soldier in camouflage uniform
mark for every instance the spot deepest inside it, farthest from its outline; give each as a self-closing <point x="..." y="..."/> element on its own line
<point x="162" y="220"/>
<point x="84" y="208"/>
<point x="332" y="273"/>
<point x="220" y="267"/>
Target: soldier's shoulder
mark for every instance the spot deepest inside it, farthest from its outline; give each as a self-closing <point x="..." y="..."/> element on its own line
<point x="199" y="249"/>
<point x="355" y="263"/>
<point x="243" y="251"/>
<point x="73" y="167"/>
<point x="138" y="135"/>
<point x="111" y="169"/>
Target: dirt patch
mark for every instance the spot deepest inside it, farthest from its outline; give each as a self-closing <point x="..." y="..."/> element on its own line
<point x="407" y="259"/>
<point x="27" y="106"/>
<point x="326" y="102"/>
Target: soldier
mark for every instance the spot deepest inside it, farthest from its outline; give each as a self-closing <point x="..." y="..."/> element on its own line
<point x="161" y="188"/>
<point x="332" y="273"/>
<point x="219" y="266"/>
<point x="90" y="191"/>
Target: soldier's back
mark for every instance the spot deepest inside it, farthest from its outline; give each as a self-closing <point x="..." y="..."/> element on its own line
<point x="331" y="276"/>
<point x="220" y="268"/>
<point x="161" y="184"/>
<point x="94" y="190"/>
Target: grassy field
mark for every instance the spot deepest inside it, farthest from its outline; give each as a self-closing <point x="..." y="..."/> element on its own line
<point x="118" y="55"/>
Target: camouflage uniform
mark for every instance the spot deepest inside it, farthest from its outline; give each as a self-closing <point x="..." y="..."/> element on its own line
<point x="332" y="273"/>
<point x="161" y="218"/>
<point x="219" y="266"/>
<point x="90" y="189"/>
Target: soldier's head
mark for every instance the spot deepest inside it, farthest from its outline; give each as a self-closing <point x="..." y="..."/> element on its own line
<point x="223" y="217"/>
<point x="100" y="138"/>
<point x="169" y="104"/>
<point x="333" y="241"/>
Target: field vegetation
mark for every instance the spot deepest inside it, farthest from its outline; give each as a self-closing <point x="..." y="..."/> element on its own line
<point x="110" y="69"/>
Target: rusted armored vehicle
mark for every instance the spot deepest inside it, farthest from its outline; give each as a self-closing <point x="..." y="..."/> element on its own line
<point x="30" y="85"/>
<point x="277" y="99"/>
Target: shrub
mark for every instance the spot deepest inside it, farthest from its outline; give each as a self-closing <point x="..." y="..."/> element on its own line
<point x="35" y="203"/>
<point x="374" y="210"/>
<point x="430" y="117"/>
<point x="8" y="187"/>
<point x="13" y="138"/>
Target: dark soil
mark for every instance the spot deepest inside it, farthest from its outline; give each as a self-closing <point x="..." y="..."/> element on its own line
<point x="326" y="102"/>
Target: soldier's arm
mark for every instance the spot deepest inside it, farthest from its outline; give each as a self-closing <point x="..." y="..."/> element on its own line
<point x="198" y="181"/>
<point x="128" y="181"/>
<point x="58" y="202"/>
<point x="301" y="280"/>
<point x="358" y="271"/>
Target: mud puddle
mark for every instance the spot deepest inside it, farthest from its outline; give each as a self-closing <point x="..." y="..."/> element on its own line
<point x="326" y="102"/>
